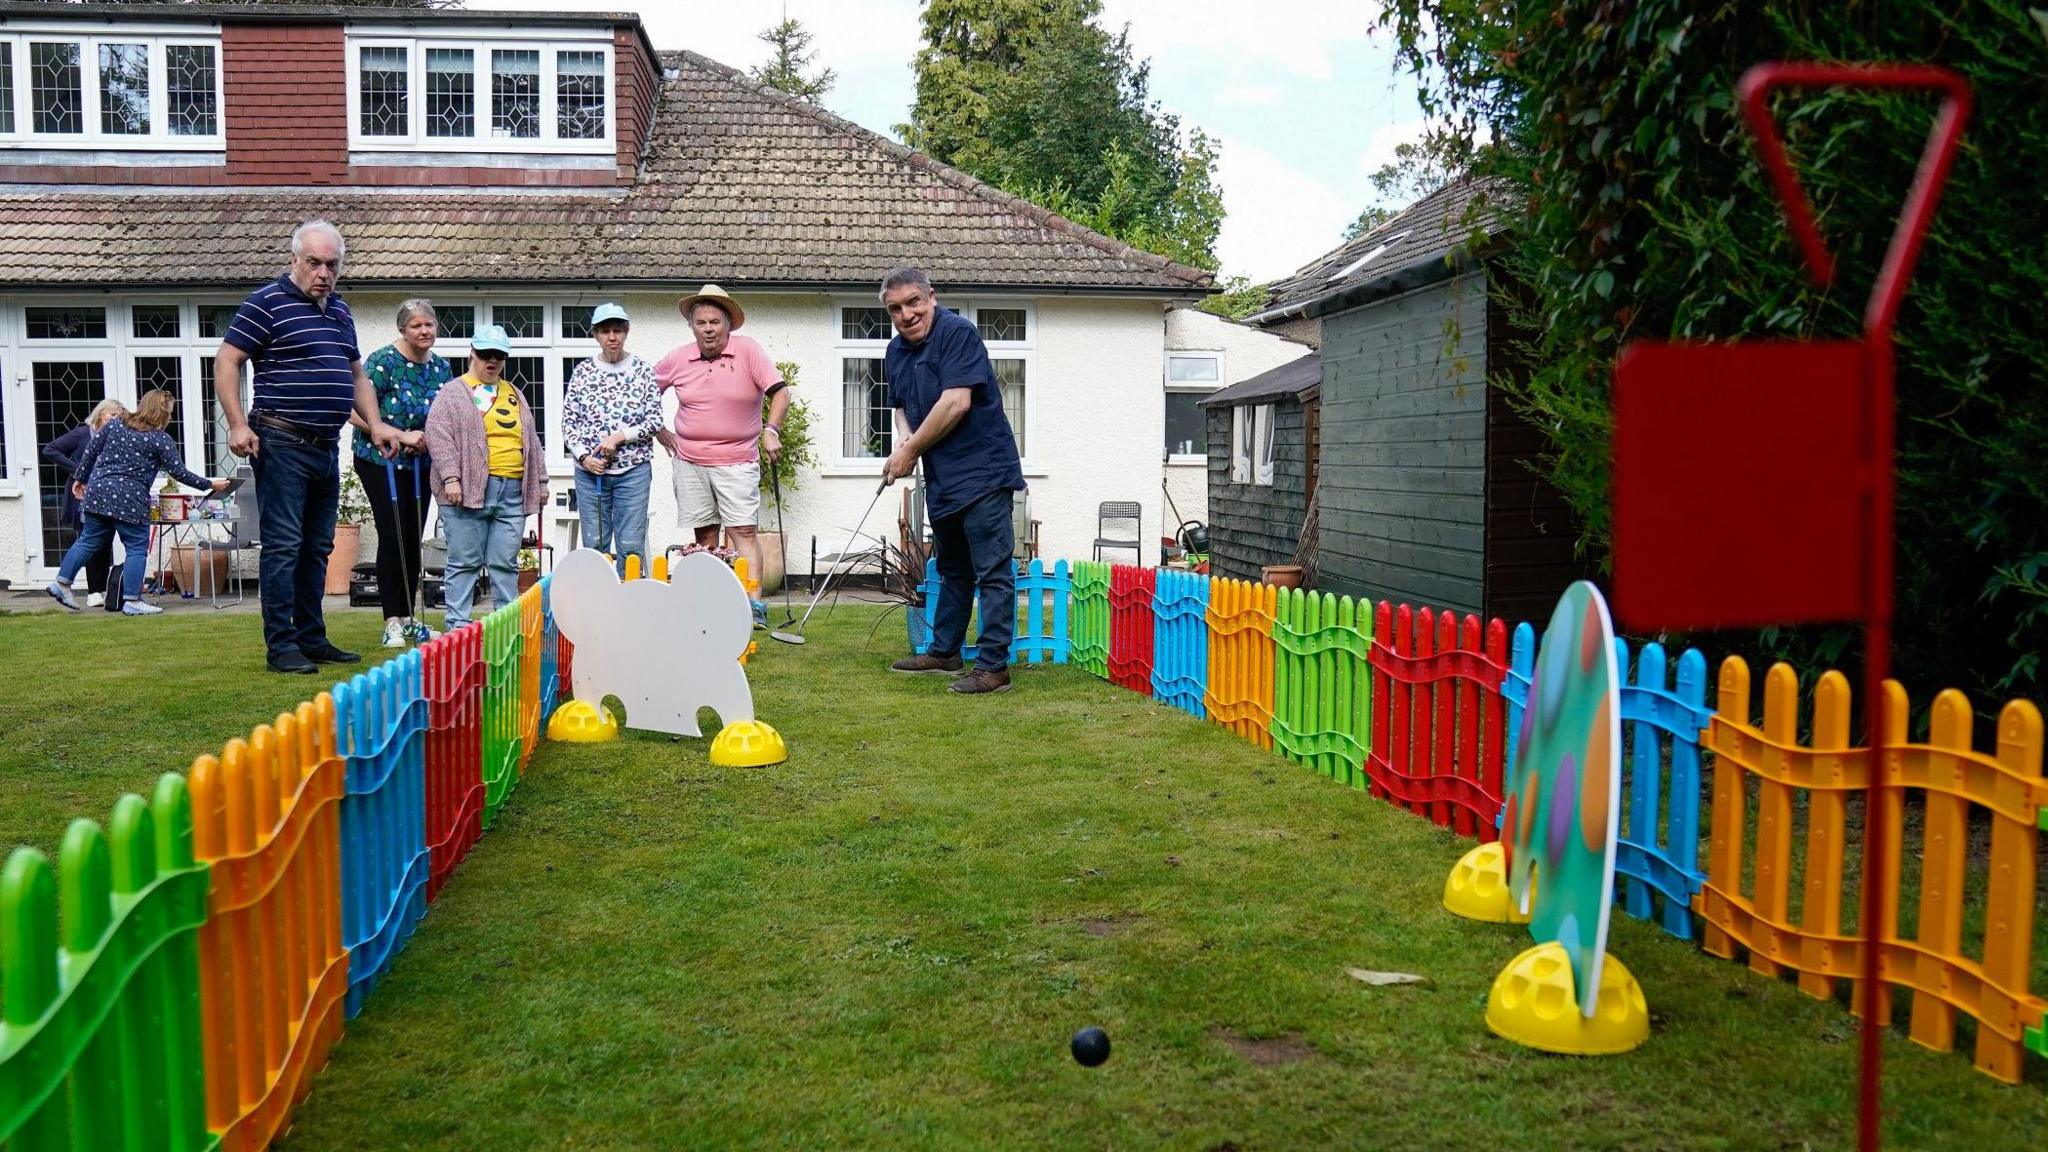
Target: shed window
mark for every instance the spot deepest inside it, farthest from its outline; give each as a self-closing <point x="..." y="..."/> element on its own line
<point x="1251" y="444"/>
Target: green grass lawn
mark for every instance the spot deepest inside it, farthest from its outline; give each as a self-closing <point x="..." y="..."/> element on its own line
<point x="887" y="941"/>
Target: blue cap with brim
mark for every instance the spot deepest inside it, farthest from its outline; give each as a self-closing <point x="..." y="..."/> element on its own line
<point x="491" y="338"/>
<point x="607" y="313"/>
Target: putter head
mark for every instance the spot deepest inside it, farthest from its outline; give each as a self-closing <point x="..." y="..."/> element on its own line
<point x="787" y="637"/>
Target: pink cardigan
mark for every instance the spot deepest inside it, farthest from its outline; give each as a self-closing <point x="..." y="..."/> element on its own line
<point x="455" y="447"/>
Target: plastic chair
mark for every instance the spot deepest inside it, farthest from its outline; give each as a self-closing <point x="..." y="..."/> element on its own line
<point x="1116" y="512"/>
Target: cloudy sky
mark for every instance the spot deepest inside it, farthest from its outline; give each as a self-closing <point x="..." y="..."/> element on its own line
<point x="1302" y="93"/>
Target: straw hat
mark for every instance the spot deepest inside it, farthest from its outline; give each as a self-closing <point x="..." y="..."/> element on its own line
<point x="713" y="294"/>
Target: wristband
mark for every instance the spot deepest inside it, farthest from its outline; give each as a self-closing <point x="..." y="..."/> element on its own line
<point x="775" y="428"/>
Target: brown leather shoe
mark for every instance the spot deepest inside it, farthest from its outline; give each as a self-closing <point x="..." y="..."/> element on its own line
<point x="928" y="665"/>
<point x="981" y="680"/>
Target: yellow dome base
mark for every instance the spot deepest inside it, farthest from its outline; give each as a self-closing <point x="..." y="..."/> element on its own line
<point x="1477" y="887"/>
<point x="748" y="744"/>
<point x="1534" y="1004"/>
<point x="581" y="722"/>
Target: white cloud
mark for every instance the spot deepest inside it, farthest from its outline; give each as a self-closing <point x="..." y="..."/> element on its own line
<point x="1379" y="151"/>
<point x="1248" y="96"/>
<point x="1279" y="218"/>
<point x="1292" y="37"/>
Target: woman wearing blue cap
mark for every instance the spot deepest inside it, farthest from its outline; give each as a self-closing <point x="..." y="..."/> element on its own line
<point x="489" y="473"/>
<point x="611" y="411"/>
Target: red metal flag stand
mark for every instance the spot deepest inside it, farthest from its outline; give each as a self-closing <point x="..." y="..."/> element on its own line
<point x="1791" y="486"/>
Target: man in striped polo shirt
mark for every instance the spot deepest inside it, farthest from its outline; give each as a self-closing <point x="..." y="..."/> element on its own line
<point x="309" y="382"/>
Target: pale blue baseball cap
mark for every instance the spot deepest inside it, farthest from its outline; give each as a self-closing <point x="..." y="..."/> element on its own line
<point x="606" y="312"/>
<point x="491" y="338"/>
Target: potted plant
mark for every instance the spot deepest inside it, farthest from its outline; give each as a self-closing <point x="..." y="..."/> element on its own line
<point x="529" y="568"/>
<point x="797" y="454"/>
<point x="350" y="515"/>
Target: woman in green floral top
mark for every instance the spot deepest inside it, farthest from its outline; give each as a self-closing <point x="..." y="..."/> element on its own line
<point x="407" y="376"/>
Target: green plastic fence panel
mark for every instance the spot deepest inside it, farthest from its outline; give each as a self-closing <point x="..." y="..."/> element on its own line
<point x="504" y="637"/>
<point x="1322" y="684"/>
<point x="1089" y="619"/>
<point x="99" y="1040"/>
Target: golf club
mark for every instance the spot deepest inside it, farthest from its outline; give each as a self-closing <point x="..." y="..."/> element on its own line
<point x="414" y="631"/>
<point x="788" y="613"/>
<point x="796" y="635"/>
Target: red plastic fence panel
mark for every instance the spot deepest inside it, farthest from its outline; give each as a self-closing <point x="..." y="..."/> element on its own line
<point x="1439" y="733"/>
<point x="1131" y="626"/>
<point x="454" y="675"/>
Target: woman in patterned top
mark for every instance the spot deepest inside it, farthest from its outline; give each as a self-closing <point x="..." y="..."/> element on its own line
<point x="611" y="412"/>
<point x="112" y="482"/>
<point x="407" y="375"/>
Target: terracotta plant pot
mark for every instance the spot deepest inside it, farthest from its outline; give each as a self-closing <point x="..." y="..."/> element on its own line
<point x="348" y="547"/>
<point x="1281" y="575"/>
<point x="213" y="569"/>
<point x="528" y="577"/>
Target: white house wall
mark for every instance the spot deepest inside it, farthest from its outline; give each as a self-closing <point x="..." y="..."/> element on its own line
<point x="1246" y="352"/>
<point x="1095" y="421"/>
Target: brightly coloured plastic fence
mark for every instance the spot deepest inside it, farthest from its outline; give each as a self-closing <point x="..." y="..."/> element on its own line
<point x="1425" y="708"/>
<point x="214" y="938"/>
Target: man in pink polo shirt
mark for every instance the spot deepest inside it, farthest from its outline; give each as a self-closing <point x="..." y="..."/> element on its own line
<point x="719" y="440"/>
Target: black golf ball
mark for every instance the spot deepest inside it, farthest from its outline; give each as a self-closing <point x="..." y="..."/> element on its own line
<point x="1091" y="1047"/>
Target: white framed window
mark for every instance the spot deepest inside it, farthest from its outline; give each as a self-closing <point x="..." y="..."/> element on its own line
<point x="507" y="94"/>
<point x="862" y="331"/>
<point x="1189" y="377"/>
<point x="136" y="88"/>
<point x="549" y="338"/>
<point x="1251" y="444"/>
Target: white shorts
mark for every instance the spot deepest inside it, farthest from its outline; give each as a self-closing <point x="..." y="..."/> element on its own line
<point x="725" y="494"/>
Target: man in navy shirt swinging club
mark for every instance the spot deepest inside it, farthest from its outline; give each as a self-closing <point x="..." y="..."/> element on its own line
<point x="949" y="413"/>
<point x="309" y="382"/>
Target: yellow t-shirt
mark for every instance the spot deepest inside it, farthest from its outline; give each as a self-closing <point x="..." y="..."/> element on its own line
<point x="504" y="442"/>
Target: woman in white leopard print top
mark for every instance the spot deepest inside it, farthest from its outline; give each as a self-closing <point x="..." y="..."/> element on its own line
<point x="611" y="411"/>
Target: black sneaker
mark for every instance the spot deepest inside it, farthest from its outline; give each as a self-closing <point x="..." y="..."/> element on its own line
<point x="981" y="680"/>
<point x="293" y="663"/>
<point x="928" y="665"/>
<point x="329" y="654"/>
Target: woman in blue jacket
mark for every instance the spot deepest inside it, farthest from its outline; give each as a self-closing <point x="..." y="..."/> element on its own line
<point x="112" y="482"/>
<point x="65" y="452"/>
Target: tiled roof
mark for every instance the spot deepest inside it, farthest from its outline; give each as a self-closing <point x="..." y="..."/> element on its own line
<point x="740" y="184"/>
<point x="1422" y="240"/>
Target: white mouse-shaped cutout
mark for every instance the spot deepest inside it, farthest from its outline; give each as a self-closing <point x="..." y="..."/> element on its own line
<point x="665" y="650"/>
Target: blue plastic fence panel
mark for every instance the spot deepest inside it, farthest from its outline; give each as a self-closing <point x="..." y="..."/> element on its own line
<point x="1514" y="687"/>
<point x="1042" y="626"/>
<point x="1660" y="723"/>
<point x="1180" y="641"/>
<point x="381" y="722"/>
<point x="550" y="645"/>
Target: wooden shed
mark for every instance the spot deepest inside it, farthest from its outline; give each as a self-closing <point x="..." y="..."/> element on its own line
<point x="1262" y="467"/>
<point x="1427" y="487"/>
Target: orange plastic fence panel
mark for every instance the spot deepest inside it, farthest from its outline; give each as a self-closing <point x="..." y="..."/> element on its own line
<point x="530" y="623"/>
<point x="1239" y="694"/>
<point x="266" y="815"/>
<point x="1934" y="964"/>
<point x="1774" y="808"/>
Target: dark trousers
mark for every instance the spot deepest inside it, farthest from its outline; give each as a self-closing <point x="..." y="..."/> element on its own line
<point x="972" y="548"/>
<point x="399" y="527"/>
<point x="298" y="485"/>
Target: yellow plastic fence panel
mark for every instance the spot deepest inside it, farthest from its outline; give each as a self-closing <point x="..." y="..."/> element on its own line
<point x="266" y="816"/>
<point x="531" y="619"/>
<point x="1240" y="689"/>
<point x="1935" y="965"/>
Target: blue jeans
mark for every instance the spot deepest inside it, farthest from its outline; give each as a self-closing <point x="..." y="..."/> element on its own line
<point x="972" y="548"/>
<point x="96" y="538"/>
<point x="298" y="489"/>
<point x="484" y="539"/>
<point x="619" y="516"/>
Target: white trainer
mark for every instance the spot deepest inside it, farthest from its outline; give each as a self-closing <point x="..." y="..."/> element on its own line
<point x="394" y="632"/>
<point x="94" y="599"/>
<point x="140" y="608"/>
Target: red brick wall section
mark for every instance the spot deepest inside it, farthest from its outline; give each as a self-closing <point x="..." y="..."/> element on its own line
<point x="287" y="103"/>
<point x="638" y="84"/>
